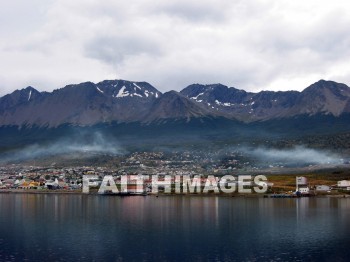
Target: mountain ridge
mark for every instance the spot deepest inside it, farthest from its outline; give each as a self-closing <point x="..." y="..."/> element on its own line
<point x="125" y="101"/>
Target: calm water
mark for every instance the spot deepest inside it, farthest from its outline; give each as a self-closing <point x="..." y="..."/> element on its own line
<point x="172" y="228"/>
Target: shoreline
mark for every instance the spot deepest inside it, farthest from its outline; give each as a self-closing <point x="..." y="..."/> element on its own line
<point x="256" y="195"/>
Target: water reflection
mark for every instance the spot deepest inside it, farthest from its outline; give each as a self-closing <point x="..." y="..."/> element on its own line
<point x="83" y="227"/>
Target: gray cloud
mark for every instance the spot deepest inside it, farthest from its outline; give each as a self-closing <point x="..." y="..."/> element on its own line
<point x="252" y="44"/>
<point x="193" y="11"/>
<point x="115" y="49"/>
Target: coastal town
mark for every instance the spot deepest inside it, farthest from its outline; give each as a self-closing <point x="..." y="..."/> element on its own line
<point x="54" y="178"/>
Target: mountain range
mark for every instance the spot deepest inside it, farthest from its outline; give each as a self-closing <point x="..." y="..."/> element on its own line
<point x="120" y="101"/>
<point x="138" y="116"/>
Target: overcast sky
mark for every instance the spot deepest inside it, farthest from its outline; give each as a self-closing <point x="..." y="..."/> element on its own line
<point x="249" y="44"/>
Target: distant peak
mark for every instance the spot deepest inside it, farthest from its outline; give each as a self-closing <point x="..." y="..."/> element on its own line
<point x="30" y="88"/>
<point x="217" y="85"/>
<point x="172" y="93"/>
<point x="325" y="84"/>
<point x="120" y="81"/>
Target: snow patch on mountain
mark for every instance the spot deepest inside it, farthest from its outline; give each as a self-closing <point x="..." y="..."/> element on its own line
<point x="196" y="97"/>
<point x="137" y="86"/>
<point x="223" y="104"/>
<point x="122" y="92"/>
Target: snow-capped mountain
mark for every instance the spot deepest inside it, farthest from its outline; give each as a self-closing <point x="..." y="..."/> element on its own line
<point x="81" y="104"/>
<point x="173" y="105"/>
<point x="126" y="101"/>
<point x="122" y="89"/>
<point x="324" y="97"/>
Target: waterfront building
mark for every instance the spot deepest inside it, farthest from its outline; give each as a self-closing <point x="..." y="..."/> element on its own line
<point x="301" y="185"/>
<point x="343" y="183"/>
<point x="323" y="188"/>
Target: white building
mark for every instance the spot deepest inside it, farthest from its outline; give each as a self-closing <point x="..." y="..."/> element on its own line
<point x="323" y="188"/>
<point x="304" y="190"/>
<point x="301" y="185"/>
<point x="343" y="183"/>
<point x="300" y="180"/>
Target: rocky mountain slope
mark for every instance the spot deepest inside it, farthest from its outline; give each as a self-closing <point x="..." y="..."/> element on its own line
<point x="82" y="104"/>
<point x="120" y="101"/>
<point x="322" y="97"/>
